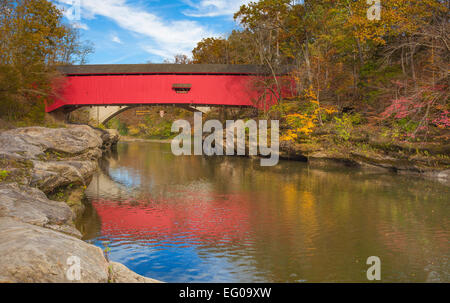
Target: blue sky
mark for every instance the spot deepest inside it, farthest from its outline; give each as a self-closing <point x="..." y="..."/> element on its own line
<point x="139" y="31"/>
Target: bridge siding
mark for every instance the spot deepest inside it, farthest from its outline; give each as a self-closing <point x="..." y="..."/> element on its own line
<point x="228" y="90"/>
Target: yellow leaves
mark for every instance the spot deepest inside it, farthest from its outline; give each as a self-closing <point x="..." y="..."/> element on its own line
<point x="330" y="110"/>
<point x="290" y="136"/>
<point x="305" y="130"/>
<point x="303" y="123"/>
<point x="397" y="17"/>
<point x="300" y="124"/>
<point x="311" y="95"/>
<point x="133" y="131"/>
<point x="309" y="124"/>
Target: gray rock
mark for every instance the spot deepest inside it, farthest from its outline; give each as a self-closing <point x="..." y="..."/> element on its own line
<point x="121" y="274"/>
<point x="444" y="174"/>
<point x="34" y="142"/>
<point x="31" y="206"/>
<point x="51" y="175"/>
<point x="33" y="254"/>
<point x="110" y="137"/>
<point x="441" y="176"/>
<point x="37" y="236"/>
<point x="60" y="156"/>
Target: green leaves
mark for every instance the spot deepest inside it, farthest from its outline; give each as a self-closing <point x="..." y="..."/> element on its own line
<point x="3" y="175"/>
<point x="344" y="126"/>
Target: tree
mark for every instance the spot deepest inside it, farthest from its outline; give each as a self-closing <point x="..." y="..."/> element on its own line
<point x="343" y="60"/>
<point x="237" y="48"/>
<point x="34" y="41"/>
<point x="179" y="59"/>
<point x="211" y="51"/>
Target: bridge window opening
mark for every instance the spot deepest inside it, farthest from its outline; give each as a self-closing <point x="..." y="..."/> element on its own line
<point x="182" y="88"/>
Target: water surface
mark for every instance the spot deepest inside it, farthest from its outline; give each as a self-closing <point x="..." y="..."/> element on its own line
<point x="199" y="219"/>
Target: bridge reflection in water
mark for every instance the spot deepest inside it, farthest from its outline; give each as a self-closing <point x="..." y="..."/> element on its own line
<point x="194" y="219"/>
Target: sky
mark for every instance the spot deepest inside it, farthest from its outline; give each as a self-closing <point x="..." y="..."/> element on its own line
<point x="141" y="31"/>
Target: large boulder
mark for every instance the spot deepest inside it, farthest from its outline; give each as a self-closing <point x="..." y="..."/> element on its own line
<point x="33" y="254"/>
<point x="30" y="205"/>
<point x="51" y="175"/>
<point x="38" y="241"/>
<point x="121" y="274"/>
<point x="35" y="142"/>
<point x="57" y="157"/>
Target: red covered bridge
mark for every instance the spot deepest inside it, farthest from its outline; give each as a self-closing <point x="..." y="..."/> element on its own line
<point x="159" y="84"/>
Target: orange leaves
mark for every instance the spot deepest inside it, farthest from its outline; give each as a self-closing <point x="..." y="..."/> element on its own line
<point x="311" y="96"/>
<point x="210" y="50"/>
<point x="397" y="17"/>
<point x="299" y="124"/>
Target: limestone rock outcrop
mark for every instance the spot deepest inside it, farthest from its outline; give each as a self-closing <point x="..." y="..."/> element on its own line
<point x="121" y="274"/>
<point x="33" y="254"/>
<point x="57" y="157"/>
<point x="30" y="205"/>
<point x="38" y="240"/>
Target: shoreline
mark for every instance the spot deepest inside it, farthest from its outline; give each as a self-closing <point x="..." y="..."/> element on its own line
<point x="133" y="139"/>
<point x="320" y="155"/>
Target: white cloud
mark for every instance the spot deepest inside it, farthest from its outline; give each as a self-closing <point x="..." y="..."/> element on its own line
<point x="80" y="25"/>
<point x="213" y="8"/>
<point x="72" y="13"/>
<point x="168" y="37"/>
<point x="116" y="39"/>
<point x="158" y="52"/>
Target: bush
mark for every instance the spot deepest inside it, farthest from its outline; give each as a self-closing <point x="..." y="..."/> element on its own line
<point x="344" y="126"/>
<point x="121" y="127"/>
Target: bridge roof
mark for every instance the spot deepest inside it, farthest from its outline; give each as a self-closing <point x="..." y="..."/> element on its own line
<point x="123" y="69"/>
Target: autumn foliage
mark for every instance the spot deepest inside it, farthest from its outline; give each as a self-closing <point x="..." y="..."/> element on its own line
<point x="33" y="40"/>
<point x="394" y="71"/>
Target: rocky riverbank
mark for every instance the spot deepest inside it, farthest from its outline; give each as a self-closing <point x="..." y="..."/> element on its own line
<point x="424" y="160"/>
<point x="417" y="159"/>
<point x="37" y="234"/>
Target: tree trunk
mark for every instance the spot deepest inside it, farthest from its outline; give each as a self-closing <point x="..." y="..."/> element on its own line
<point x="308" y="63"/>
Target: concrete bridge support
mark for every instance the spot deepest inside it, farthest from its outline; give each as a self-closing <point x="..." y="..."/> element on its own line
<point x="101" y="114"/>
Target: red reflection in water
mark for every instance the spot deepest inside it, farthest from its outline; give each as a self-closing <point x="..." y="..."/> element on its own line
<point x="220" y="218"/>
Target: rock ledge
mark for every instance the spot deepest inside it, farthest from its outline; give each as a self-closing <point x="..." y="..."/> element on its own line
<point x="38" y="240"/>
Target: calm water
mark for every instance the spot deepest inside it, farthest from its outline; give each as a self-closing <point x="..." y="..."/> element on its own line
<point x="195" y="219"/>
